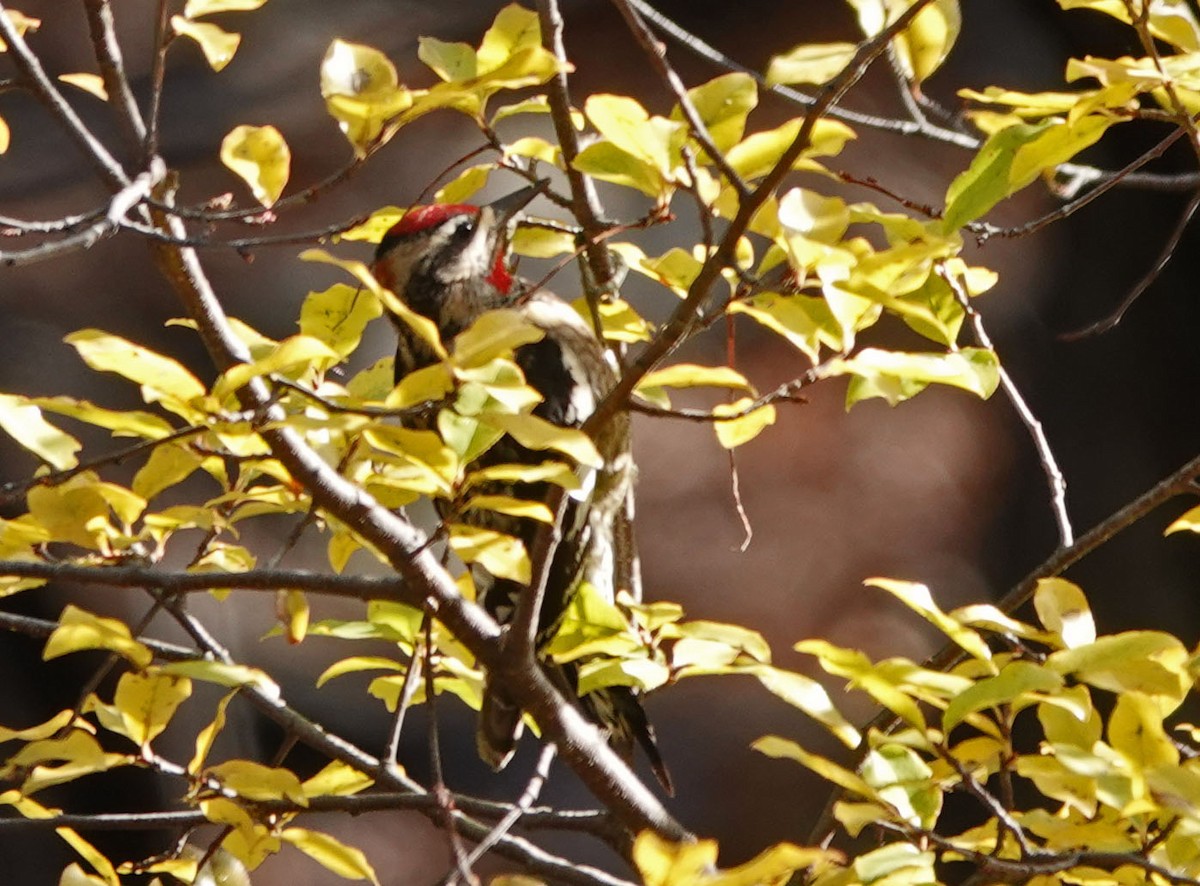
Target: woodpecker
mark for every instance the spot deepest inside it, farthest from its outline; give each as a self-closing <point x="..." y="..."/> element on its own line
<point x="451" y="264"/>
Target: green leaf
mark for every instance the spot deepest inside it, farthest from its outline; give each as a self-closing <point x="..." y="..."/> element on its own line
<point x="78" y="629"/>
<point x="465" y="185"/>
<point x="221" y="673"/>
<point x="815" y="63"/>
<point x="1011" y="159"/>
<point x="161" y="377"/>
<point x="450" y="61"/>
<point x="261" y="158"/>
<point x="23" y="421"/>
<point x="905" y="782"/>
<point x="895" y="863"/>
<point x="345" y="861"/>
<point x="217" y="44"/>
<point x="1016" y="680"/>
<point x="804" y="321"/>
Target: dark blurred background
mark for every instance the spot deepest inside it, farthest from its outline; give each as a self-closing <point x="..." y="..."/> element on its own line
<point x="944" y="489"/>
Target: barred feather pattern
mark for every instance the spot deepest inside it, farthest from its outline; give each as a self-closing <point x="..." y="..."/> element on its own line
<point x="570" y="370"/>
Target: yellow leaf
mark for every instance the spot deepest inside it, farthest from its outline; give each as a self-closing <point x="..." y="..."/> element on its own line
<point x="254" y="781"/>
<point x="92" y="83"/>
<point x="40" y="731"/>
<point x="1151" y="662"/>
<point x="160" y="377"/>
<point x="167" y="466"/>
<point x="55" y="761"/>
<point x="811" y="697"/>
<point x="493" y="334"/>
<point x="1063" y="609"/>
<point x="625" y="123"/>
<point x="78" y="629"/>
<point x="917" y="597"/>
<point x="217" y="44"/>
<point x="662" y="863"/>
<point x="450" y="61"/>
<point x="897" y="376"/>
<point x="299" y="350"/>
<point x="1135" y="728"/>
<point x="21" y="22"/>
<point x="361" y="91"/>
<point x="733" y="432"/>
<point x="501" y="555"/>
<point x="5" y="135"/>
<point x="810" y="63"/>
<point x="148" y="701"/>
<point x="421" y="325"/>
<point x="723" y="104"/>
<point x="200" y="8"/>
<point x="206" y="736"/>
<point x="515" y="507"/>
<point x="223" y="674"/>
<point x="343" y="860"/>
<point x="122" y="423"/>
<point x="261" y="158"/>
<point x="1189" y="521"/>
<point x="337" y="780"/>
<point x="925" y="43"/>
<point x="782" y="748"/>
<point x="537" y="433"/>
<point x="688" y="375"/>
<point x="24" y="423"/>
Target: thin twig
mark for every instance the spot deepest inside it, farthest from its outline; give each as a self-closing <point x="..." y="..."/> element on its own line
<point x="681" y="321"/>
<point x="158" y="70"/>
<point x="44" y="88"/>
<point x="122" y="202"/>
<point x="658" y="58"/>
<point x="112" y="70"/>
<point x="1054" y="475"/>
<point x="528" y="797"/>
<point x="1164" y="257"/>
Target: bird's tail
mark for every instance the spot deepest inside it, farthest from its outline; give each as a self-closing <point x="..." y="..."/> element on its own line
<point x="499" y="726"/>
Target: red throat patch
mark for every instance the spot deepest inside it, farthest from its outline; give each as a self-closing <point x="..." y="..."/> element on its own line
<point x="422" y="217"/>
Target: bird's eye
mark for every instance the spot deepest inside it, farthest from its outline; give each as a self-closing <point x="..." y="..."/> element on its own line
<point x="465" y="229"/>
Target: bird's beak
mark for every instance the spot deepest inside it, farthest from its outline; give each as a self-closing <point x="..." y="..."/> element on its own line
<point x="505" y="209"/>
<point x="496" y="219"/>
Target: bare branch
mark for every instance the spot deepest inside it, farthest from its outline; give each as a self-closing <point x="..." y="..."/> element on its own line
<point x="123" y="201"/>
<point x="1054" y="475"/>
<point x="43" y="87"/>
<point x="112" y="70"/>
